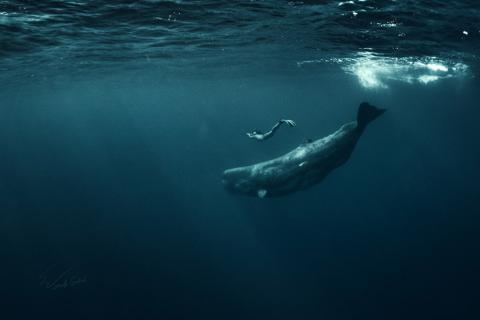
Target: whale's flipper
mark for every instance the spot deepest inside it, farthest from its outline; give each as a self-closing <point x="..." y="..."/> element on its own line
<point x="262" y="193"/>
<point x="366" y="113"/>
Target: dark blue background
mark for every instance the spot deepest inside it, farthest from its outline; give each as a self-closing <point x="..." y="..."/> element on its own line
<point x="119" y="180"/>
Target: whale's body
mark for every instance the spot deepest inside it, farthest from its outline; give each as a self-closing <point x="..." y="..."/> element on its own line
<point x="306" y="165"/>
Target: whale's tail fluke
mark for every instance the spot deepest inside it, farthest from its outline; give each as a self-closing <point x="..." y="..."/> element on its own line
<point x="367" y="113"/>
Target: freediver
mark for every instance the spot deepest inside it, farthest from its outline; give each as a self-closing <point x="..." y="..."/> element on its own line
<point x="260" y="136"/>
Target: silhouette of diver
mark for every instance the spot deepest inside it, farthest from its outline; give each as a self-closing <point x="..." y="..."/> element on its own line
<point x="260" y="136"/>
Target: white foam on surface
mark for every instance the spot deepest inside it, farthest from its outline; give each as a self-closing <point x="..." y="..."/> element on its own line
<point x="376" y="71"/>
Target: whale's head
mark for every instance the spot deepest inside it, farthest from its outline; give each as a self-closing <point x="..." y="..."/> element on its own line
<point x="237" y="181"/>
<point x="244" y="181"/>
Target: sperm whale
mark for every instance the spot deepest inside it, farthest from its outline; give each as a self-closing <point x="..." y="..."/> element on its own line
<point x="303" y="167"/>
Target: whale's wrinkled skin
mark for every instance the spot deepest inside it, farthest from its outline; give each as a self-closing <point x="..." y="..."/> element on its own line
<point x="306" y="165"/>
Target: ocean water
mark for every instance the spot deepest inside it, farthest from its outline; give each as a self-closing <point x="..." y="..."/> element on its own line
<point x="117" y="119"/>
